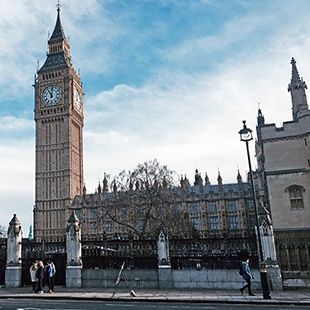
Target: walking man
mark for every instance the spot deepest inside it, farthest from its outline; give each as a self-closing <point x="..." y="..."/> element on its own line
<point x="247" y="276"/>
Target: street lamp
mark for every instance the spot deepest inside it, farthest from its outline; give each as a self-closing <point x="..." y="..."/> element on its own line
<point x="246" y="136"/>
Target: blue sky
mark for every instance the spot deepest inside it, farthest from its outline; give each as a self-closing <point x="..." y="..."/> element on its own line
<point x="165" y="79"/>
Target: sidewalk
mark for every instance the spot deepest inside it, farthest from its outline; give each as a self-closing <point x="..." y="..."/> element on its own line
<point x="296" y="297"/>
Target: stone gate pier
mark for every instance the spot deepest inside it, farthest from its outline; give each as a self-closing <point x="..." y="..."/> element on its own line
<point x="13" y="269"/>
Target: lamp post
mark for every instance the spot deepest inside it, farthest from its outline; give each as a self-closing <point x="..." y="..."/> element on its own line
<point x="246" y="136"/>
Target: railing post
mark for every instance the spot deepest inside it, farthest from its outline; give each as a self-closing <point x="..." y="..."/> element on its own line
<point x="269" y="249"/>
<point x="13" y="269"/>
<point x="74" y="253"/>
<point x="164" y="267"/>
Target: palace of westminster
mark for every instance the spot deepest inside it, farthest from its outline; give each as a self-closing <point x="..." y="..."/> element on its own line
<point x="215" y="210"/>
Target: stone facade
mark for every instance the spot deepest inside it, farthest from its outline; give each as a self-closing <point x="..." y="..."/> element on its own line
<point x="284" y="162"/>
<point x="58" y="114"/>
<point x="222" y="212"/>
<point x="284" y="173"/>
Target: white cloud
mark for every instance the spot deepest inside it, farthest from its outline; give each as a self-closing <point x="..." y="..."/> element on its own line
<point x="17" y="181"/>
<point x="12" y="124"/>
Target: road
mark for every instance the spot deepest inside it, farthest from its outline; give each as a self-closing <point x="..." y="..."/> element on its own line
<point x="31" y="304"/>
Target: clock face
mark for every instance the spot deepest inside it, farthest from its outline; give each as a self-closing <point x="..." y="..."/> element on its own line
<point x="77" y="99"/>
<point x="51" y="95"/>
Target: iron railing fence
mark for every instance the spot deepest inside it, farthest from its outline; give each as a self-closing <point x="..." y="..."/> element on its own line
<point x="54" y="251"/>
<point x="210" y="263"/>
<point x="110" y="254"/>
<point x="3" y="251"/>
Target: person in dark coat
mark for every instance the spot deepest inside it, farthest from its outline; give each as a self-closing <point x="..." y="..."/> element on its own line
<point x="247" y="276"/>
<point x="50" y="276"/>
<point x="40" y="276"/>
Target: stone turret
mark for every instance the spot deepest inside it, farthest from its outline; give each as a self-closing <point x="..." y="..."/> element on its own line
<point x="220" y="183"/>
<point x="207" y="180"/>
<point x="297" y="88"/>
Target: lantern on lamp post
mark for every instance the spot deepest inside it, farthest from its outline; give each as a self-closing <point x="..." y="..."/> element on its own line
<point x="246" y="136"/>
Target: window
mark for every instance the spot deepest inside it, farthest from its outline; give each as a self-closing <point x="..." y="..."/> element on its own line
<point x="195" y="222"/>
<point x="251" y="204"/>
<point x="214" y="220"/>
<point x="233" y="222"/>
<point x="232" y="205"/>
<point x="109" y="227"/>
<point x="124" y="211"/>
<point x="212" y="206"/>
<point x="93" y="228"/>
<point x="193" y="207"/>
<point x="175" y="208"/>
<point x="92" y="213"/>
<point x="140" y="225"/>
<point x="295" y="195"/>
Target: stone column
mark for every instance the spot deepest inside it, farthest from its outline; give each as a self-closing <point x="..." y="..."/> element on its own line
<point x="74" y="253"/>
<point x="13" y="268"/>
<point x="269" y="249"/>
<point x="164" y="268"/>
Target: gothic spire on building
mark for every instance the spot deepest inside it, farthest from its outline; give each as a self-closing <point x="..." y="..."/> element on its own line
<point x="220" y="182"/>
<point x="239" y="178"/>
<point x="297" y="87"/>
<point x="207" y="180"/>
<point x="105" y="188"/>
<point x="58" y="54"/>
<point x="198" y="179"/>
<point x="260" y="123"/>
<point x="99" y="188"/>
<point x="58" y="33"/>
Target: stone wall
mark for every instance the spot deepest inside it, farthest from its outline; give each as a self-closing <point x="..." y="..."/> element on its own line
<point x="209" y="279"/>
<point x="296" y="279"/>
<point x="212" y="279"/>
<point x="106" y="278"/>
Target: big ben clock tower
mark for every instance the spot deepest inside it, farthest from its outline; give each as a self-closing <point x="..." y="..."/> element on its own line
<point x="58" y="114"/>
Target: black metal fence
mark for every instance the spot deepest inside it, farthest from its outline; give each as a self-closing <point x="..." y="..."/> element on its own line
<point x="197" y="263"/>
<point x="3" y="251"/>
<point x="184" y="254"/>
<point x="54" y="251"/>
<point x="212" y="253"/>
<point x="110" y="254"/>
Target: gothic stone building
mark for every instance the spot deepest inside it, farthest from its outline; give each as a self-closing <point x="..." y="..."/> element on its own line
<point x="58" y="113"/>
<point x="222" y="213"/>
<point x="283" y="155"/>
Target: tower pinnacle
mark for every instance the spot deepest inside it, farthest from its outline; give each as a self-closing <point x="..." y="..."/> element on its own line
<point x="297" y="88"/>
<point x="58" y="5"/>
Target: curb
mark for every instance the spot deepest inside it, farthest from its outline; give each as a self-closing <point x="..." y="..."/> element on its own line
<point x="161" y="300"/>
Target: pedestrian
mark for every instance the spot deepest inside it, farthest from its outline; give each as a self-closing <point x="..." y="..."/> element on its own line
<point x="40" y="276"/>
<point x="49" y="275"/>
<point x="53" y="277"/>
<point x="247" y="276"/>
<point x="33" y="277"/>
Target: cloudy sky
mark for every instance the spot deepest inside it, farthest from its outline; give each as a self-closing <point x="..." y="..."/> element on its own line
<point x="164" y="79"/>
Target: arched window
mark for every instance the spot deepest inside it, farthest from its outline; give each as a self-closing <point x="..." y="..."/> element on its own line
<point x="295" y="196"/>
